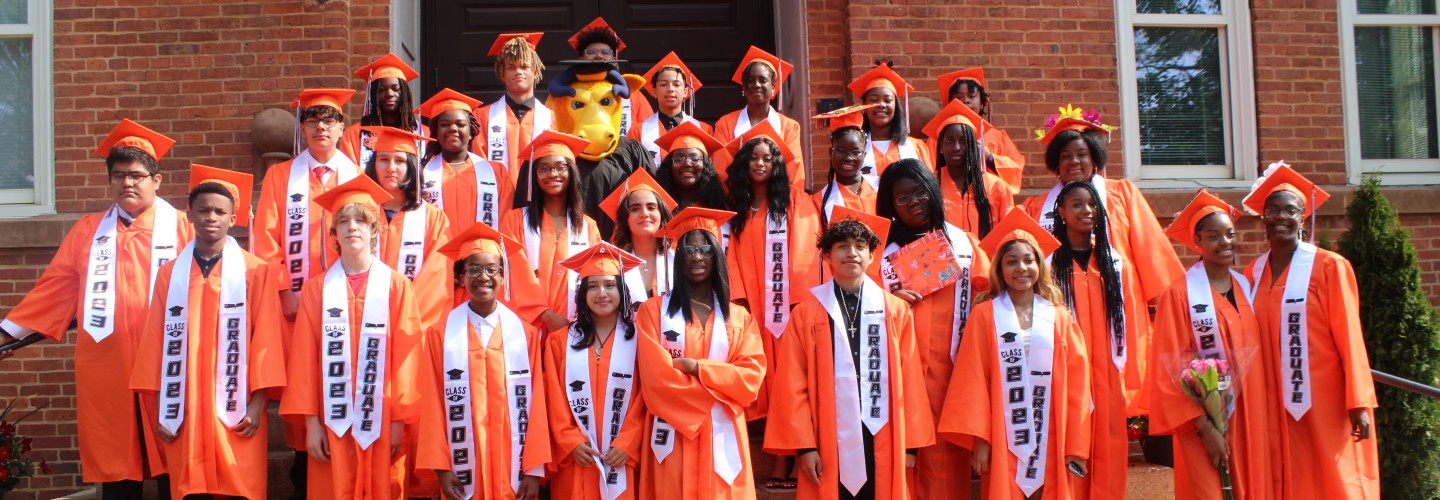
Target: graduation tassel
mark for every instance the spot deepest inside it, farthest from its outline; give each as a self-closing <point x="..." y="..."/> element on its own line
<point x="1314" y="211"/>
<point x="299" y="129"/>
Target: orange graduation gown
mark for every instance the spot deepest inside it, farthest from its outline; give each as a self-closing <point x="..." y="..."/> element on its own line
<point x="1172" y="412"/>
<point x="960" y="208"/>
<point x="892" y="155"/>
<point x="353" y="472"/>
<point x="206" y="457"/>
<point x="574" y="481"/>
<point x="110" y="450"/>
<point x="1317" y="456"/>
<point x="553" y="249"/>
<point x="491" y="417"/>
<point x="460" y="195"/>
<point x="863" y="201"/>
<point x="975" y="407"/>
<point x="684" y="401"/>
<point x="790" y="132"/>
<point x="1009" y="162"/>
<point x="637" y="134"/>
<point x="517" y="132"/>
<point x="802" y="400"/>
<point x="350" y="145"/>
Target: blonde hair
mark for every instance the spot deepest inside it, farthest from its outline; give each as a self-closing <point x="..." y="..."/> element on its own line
<point x="360" y="212"/>
<point x="1044" y="284"/>
<point x="517" y="50"/>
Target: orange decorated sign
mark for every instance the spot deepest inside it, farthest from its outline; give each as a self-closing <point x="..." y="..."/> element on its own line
<point x="926" y="265"/>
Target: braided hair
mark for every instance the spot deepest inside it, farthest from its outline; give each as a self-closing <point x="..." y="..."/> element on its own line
<point x="583" y="331"/>
<point x="408" y="121"/>
<point x="972" y="184"/>
<point x="1063" y="259"/>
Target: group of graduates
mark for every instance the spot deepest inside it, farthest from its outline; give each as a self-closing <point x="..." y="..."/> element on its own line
<point x="438" y="315"/>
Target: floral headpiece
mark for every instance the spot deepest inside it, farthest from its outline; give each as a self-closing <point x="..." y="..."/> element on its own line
<point x="1072" y="118"/>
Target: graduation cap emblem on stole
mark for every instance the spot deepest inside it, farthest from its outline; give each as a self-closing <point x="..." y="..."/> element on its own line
<point x="455" y="373"/>
<point x="175" y="311"/>
<point x="1200" y="308"/>
<point x="102" y="239"/>
<point x="297" y="197"/>
<point x="671" y="335"/>
<point x="1009" y="336"/>
<point x="334" y="312"/>
<point x="577" y="386"/>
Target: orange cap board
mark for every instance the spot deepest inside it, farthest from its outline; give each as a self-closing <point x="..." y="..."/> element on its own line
<point x="530" y="38"/>
<point x="239" y="184"/>
<point x="391" y="139"/>
<point x="671" y="60"/>
<point x="878" y="225"/>
<point x="478" y="238"/>
<point x="1018" y="225"/>
<point x="601" y="259"/>
<point x="640" y="180"/>
<point x="955" y="112"/>
<point x="598" y="24"/>
<point x="361" y="189"/>
<point x="129" y="133"/>
<point x="1072" y="118"/>
<point x="754" y="55"/>
<point x="696" y="218"/>
<point x="948" y="80"/>
<point x="848" y="116"/>
<point x="335" y="98"/>
<point x="762" y="130"/>
<point x="552" y="143"/>
<point x="880" y="77"/>
<point x="689" y="135"/>
<point x="387" y="66"/>
<point x="1280" y="177"/>
<point x="1182" y="229"/>
<point x="446" y="100"/>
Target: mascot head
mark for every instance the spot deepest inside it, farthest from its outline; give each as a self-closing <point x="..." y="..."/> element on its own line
<point x="586" y="100"/>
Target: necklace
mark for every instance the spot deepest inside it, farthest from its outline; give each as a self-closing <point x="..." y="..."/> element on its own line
<point x="599" y="343"/>
<point x="852" y="322"/>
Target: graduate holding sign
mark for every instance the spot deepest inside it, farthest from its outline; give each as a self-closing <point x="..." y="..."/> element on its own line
<point x="211" y="348"/>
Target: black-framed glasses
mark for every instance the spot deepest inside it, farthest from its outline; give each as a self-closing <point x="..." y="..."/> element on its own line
<point x="688" y="160"/>
<point x="129" y="178"/>
<point x="478" y="271"/>
<point x="849" y="155"/>
<point x="327" y="122"/>
<point x="700" y="250"/>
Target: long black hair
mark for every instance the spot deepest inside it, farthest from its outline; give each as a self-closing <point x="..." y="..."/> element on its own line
<point x="1063" y="259"/>
<point x="622" y="237"/>
<point x="777" y="192"/>
<point x="912" y="169"/>
<point x="719" y="277"/>
<point x="709" y="193"/>
<point x="407" y="185"/>
<point x="830" y="181"/>
<point x="899" y="123"/>
<point x="973" y="86"/>
<point x="1094" y="140"/>
<point x="408" y="121"/>
<point x="585" y="320"/>
<point x="972" y="184"/>
<point x="574" y="198"/>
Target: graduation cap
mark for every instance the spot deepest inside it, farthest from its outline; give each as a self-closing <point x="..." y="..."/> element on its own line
<point x="335" y="98"/>
<point x="955" y="112"/>
<point x="689" y="135"/>
<point x="599" y="25"/>
<point x="1015" y="226"/>
<point x="102" y="239"/>
<point x="361" y="190"/>
<point x="671" y="335"/>
<point x="455" y="373"/>
<point x="239" y="184"/>
<point x="1008" y="337"/>
<point x="577" y="386"/>
<point x="446" y="100"/>
<point x="387" y="66"/>
<point x="763" y="129"/>
<point x="849" y="116"/>
<point x="1279" y="176"/>
<point x="297" y="197"/>
<point x="876" y="224"/>
<point x="1182" y="229"/>
<point x="695" y="218"/>
<point x="129" y="133"/>
<point x="1072" y="118"/>
<point x="1200" y="308"/>
<point x="601" y="259"/>
<point x="531" y="39"/>
<point x="948" y="80"/>
<point x="553" y="143"/>
<point x="334" y="312"/>
<point x="672" y="61"/>
<point x="778" y="66"/>
<point x="640" y="180"/>
<point x="882" y="76"/>
<point x="176" y="310"/>
<point x="478" y="238"/>
<point x="394" y="140"/>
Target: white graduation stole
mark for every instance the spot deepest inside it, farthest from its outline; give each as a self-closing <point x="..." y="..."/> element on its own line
<point x="1026" y="416"/>
<point x="776" y="308"/>
<point x="620" y="385"/>
<point x="412" y="242"/>
<point x="1048" y="213"/>
<point x="742" y="125"/>
<point x="498" y="137"/>
<point x="964" y="259"/>
<point x="579" y="240"/>
<point x="725" y="237"/>
<point x="635" y="281"/>
<point x="834" y="199"/>
<point x="649" y="132"/>
<point x="232" y="340"/>
<point x="624" y="116"/>
<point x="297" y="212"/>
<point x="723" y="434"/>
<point x="1118" y="349"/>
<point x="848" y="402"/>
<point x="459" y="406"/>
<point x="868" y="170"/>
<point x="1204" y="323"/>
<point x="357" y="403"/>
<point x="1294" y="328"/>
<point x="100" y="278"/>
<point x="487" y="191"/>
<point x="433" y="179"/>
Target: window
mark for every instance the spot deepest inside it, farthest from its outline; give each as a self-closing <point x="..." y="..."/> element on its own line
<point x="26" y="170"/>
<point x="1388" y="48"/>
<point x="1187" y="92"/>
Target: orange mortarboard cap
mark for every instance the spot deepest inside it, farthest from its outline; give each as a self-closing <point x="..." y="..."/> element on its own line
<point x="689" y="135"/>
<point x="129" y="133"/>
<point x="640" y="180"/>
<point x="601" y="259"/>
<point x="881" y="77"/>
<point x="693" y="218"/>
<point x="335" y="98"/>
<point x="878" y="225"/>
<point x="848" y="116"/>
<point x="446" y="100"/>
<point x="1280" y="177"/>
<point x="948" y="80"/>
<point x="387" y="66"/>
<point x="238" y="183"/>
<point x="361" y="189"/>
<point x="1072" y="118"/>
<point x="762" y="130"/>
<point x="1182" y="229"/>
<point x="478" y="238"/>
<point x="755" y="54"/>
<point x="552" y="143"/>
<point x="671" y="60"/>
<point x="1018" y="225"/>
<point x="598" y="24"/>
<point x="530" y="38"/>
<point x="394" y="140"/>
<point x="955" y="112"/>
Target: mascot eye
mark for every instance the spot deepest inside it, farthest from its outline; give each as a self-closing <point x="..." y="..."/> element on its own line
<point x="606" y="101"/>
<point x="576" y="105"/>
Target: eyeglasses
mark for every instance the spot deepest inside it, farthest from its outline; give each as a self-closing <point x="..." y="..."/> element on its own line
<point x="688" y="160"/>
<point x="912" y="198"/>
<point x="478" y="271"/>
<point x="600" y="52"/>
<point x="555" y="171"/>
<point x="849" y="155"/>
<point x="1273" y="212"/>
<point x="327" y="122"/>
<point x="698" y="250"/>
<point x="129" y="178"/>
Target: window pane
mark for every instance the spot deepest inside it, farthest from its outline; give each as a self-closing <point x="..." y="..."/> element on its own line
<point x="1178" y="6"/>
<point x="13" y="12"/>
<point x="1395" y="6"/>
<point x="17" y="137"/>
<point x="1395" y="70"/>
<point x="1181" y="96"/>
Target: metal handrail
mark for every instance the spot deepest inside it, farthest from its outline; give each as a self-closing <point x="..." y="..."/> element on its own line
<point x="1407" y="384"/>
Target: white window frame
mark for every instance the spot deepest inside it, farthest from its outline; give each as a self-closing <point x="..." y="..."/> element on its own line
<point x="1238" y="77"/>
<point x="39" y="200"/>
<point x="1396" y="172"/>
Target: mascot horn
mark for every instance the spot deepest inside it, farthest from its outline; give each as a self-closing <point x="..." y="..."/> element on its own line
<point x="586" y="100"/>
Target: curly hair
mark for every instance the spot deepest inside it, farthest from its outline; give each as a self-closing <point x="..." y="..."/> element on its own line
<point x="846" y="230"/>
<point x="709" y="193"/>
<point x="953" y="93"/>
<point x="622" y="237"/>
<point x="1094" y="140"/>
<point x="517" y="50"/>
<point x="1063" y="260"/>
<point x="590" y="36"/>
<point x="585" y="319"/>
<point x="777" y="191"/>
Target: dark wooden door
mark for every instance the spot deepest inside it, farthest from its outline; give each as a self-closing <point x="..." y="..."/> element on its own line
<point x="710" y="36"/>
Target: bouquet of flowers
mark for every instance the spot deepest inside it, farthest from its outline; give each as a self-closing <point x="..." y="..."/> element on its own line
<point x="1209" y="382"/>
<point x="15" y="463"/>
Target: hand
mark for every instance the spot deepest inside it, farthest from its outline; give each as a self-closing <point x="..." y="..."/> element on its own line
<point x="163" y="433"/>
<point x="909" y="296"/>
<point x="687" y="366"/>
<point x="1360" y="423"/>
<point x="584" y="455"/>
<point x="616" y="457"/>
<point x="397" y="437"/>
<point x="289" y="304"/>
<point x="1071" y="459"/>
<point x="554" y="322"/>
<point x="5" y="338"/>
<point x="980" y="458"/>
<point x="1215" y="445"/>
<point x="317" y="444"/>
<point x="809" y="465"/>
<point x="249" y="425"/>
<point x="529" y="488"/>
<point x="450" y="485"/>
<point x="909" y="461"/>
